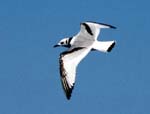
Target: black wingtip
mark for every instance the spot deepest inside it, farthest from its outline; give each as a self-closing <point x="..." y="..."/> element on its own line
<point x="69" y="93"/>
<point x="113" y="27"/>
<point x="111" y="47"/>
<point x="110" y="26"/>
<point x="68" y="96"/>
<point x="66" y="88"/>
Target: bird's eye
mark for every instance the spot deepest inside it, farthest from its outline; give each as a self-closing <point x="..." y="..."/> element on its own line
<point x="61" y="42"/>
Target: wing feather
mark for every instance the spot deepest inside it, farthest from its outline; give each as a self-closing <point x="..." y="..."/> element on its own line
<point x="69" y="60"/>
<point x="92" y="29"/>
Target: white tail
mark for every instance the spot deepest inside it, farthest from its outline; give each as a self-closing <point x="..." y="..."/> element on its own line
<point x="104" y="46"/>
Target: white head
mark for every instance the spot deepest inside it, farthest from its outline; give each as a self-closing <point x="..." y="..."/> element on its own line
<point x="64" y="42"/>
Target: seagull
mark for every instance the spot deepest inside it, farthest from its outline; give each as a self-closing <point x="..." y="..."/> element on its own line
<point x="78" y="47"/>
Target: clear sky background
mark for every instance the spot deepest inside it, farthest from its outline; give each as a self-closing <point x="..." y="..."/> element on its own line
<point x="113" y="83"/>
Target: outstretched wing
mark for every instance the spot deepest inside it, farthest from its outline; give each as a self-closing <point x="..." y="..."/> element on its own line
<point x="93" y="28"/>
<point x="69" y="60"/>
<point x="89" y="31"/>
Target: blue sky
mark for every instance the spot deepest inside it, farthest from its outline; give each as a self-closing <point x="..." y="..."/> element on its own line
<point x="113" y="83"/>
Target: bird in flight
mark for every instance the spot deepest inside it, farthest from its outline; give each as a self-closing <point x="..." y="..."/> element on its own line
<point x="78" y="47"/>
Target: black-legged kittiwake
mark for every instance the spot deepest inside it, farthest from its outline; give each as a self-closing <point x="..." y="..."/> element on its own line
<point x="78" y="47"/>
